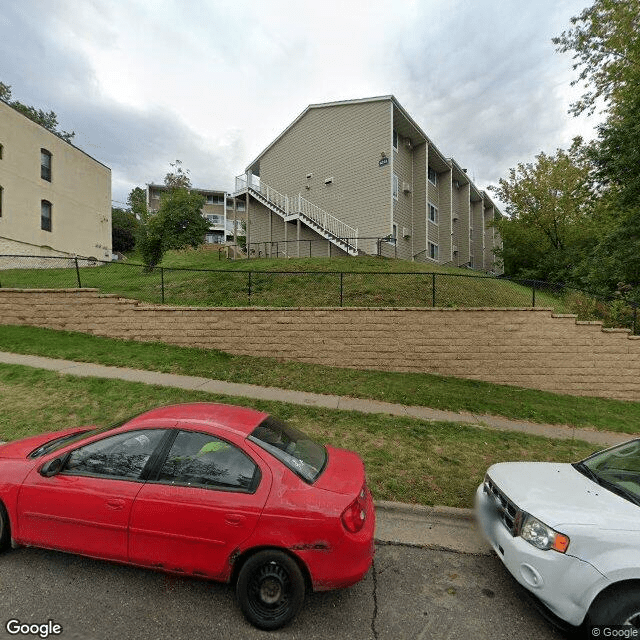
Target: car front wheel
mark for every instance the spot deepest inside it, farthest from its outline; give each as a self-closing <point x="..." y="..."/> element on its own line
<point x="620" y="606"/>
<point x="270" y="589"/>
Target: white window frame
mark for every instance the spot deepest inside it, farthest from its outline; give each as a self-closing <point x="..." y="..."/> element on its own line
<point x="431" y="171"/>
<point x="396" y="183"/>
<point x="432" y="249"/>
<point x="432" y="207"/>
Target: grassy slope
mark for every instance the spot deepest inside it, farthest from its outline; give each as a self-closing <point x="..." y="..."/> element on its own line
<point x="376" y="282"/>
<point x="408" y="388"/>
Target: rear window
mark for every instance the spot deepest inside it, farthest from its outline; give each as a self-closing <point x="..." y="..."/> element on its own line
<point x="305" y="457"/>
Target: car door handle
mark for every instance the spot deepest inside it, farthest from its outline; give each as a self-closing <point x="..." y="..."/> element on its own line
<point x="234" y="519"/>
<point x="115" y="504"/>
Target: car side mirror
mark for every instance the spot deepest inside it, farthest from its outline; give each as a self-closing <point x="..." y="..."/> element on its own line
<point x="52" y="467"/>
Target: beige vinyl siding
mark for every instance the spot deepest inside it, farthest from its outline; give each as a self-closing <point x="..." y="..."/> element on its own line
<point x="461" y="211"/>
<point x="403" y="206"/>
<point x="79" y="192"/>
<point x="444" y="216"/>
<point x="488" y="236"/>
<point x="343" y="142"/>
<point x="419" y="236"/>
<point x="477" y="221"/>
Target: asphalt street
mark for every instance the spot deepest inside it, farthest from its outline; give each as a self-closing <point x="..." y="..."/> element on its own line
<point x="411" y="592"/>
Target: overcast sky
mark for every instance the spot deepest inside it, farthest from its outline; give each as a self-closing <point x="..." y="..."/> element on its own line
<point x="213" y="82"/>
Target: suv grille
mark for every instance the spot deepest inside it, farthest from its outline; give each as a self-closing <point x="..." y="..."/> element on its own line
<point x="507" y="511"/>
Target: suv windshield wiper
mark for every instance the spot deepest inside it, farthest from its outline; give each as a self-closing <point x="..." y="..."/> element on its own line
<point x="607" y="484"/>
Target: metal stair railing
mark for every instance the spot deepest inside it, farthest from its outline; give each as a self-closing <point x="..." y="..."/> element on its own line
<point x="297" y="205"/>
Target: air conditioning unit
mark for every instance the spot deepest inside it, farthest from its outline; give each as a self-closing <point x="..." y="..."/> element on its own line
<point x="454" y="248"/>
<point x="406" y="233"/>
<point x="406" y="187"/>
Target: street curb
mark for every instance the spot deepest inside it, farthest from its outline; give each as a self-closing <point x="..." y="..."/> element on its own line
<point x="420" y="510"/>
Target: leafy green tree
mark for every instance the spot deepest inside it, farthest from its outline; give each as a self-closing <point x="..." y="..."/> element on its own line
<point x="124" y="227"/>
<point x="605" y="41"/>
<point x="47" y="119"/>
<point x="178" y="224"/>
<point x="137" y="203"/>
<point x="548" y="215"/>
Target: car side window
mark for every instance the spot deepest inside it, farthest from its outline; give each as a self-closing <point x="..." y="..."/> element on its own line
<point x="121" y="456"/>
<point x="202" y="460"/>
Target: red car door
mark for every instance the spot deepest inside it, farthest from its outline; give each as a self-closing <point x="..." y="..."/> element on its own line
<point x="206" y="500"/>
<point x="86" y="507"/>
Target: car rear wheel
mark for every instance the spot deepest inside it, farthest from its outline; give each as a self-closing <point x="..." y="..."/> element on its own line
<point x="270" y="589"/>
<point x="620" y="606"/>
<point x="5" y="534"/>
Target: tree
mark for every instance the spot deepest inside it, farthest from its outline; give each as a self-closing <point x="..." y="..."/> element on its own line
<point x="178" y="224"/>
<point x="124" y="227"/>
<point x="605" y="41"/>
<point x="49" y="120"/>
<point x="548" y="222"/>
<point x="137" y="203"/>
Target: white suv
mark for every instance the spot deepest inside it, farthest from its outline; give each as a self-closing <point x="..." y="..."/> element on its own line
<point x="570" y="533"/>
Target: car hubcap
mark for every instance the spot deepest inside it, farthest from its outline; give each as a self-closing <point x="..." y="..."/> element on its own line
<point x="269" y="591"/>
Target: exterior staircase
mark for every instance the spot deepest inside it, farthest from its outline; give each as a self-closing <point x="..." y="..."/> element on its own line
<point x="289" y="208"/>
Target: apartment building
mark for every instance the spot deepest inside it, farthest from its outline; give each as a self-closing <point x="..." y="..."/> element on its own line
<point x="55" y="200"/>
<point x="361" y="176"/>
<point x="224" y="214"/>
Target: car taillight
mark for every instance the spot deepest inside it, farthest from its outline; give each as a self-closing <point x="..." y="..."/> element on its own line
<point x="355" y="515"/>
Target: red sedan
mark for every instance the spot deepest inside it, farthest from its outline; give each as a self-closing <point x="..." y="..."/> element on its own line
<point x="203" y="490"/>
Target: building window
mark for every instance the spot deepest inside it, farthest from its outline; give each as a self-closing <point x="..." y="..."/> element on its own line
<point x="433" y="214"/>
<point x="395" y="140"/>
<point x="214" y="199"/>
<point x="240" y="205"/>
<point x="45" y="165"/>
<point x="433" y="176"/>
<point x="433" y="250"/>
<point x="395" y="186"/>
<point x="45" y="215"/>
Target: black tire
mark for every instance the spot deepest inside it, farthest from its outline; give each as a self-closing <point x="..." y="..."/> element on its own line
<point x="5" y="531"/>
<point x="618" y="606"/>
<point x="270" y="589"/>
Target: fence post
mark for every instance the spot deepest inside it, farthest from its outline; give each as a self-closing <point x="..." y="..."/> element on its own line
<point x="341" y="286"/>
<point x="533" y="291"/>
<point x="433" y="289"/>
<point x="78" y="273"/>
<point x="162" y="282"/>
<point x="249" y="287"/>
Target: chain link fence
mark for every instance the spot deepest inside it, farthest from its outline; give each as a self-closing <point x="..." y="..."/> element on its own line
<point x="247" y="287"/>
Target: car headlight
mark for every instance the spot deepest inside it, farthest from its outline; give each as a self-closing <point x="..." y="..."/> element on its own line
<point x="540" y="535"/>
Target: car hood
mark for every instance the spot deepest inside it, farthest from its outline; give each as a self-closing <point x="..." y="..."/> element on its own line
<point x="22" y="448"/>
<point x="560" y="495"/>
<point x="344" y="472"/>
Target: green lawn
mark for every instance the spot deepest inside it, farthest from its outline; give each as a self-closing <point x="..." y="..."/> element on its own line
<point x="199" y="278"/>
<point x="427" y="390"/>
<point x="407" y="460"/>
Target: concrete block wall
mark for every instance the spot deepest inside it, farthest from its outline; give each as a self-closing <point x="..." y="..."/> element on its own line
<point x="524" y="347"/>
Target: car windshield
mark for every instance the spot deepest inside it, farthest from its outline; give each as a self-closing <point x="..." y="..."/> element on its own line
<point x="293" y="448"/>
<point x="616" y="469"/>
<point x="63" y="441"/>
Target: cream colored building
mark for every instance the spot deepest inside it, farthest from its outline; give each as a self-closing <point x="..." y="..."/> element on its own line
<point x="361" y="176"/>
<point x="54" y="198"/>
<point x="223" y="212"/>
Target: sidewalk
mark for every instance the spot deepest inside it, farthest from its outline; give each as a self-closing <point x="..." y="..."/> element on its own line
<point x="436" y="527"/>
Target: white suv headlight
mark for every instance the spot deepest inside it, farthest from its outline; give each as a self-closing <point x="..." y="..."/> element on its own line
<point x="540" y="535"/>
